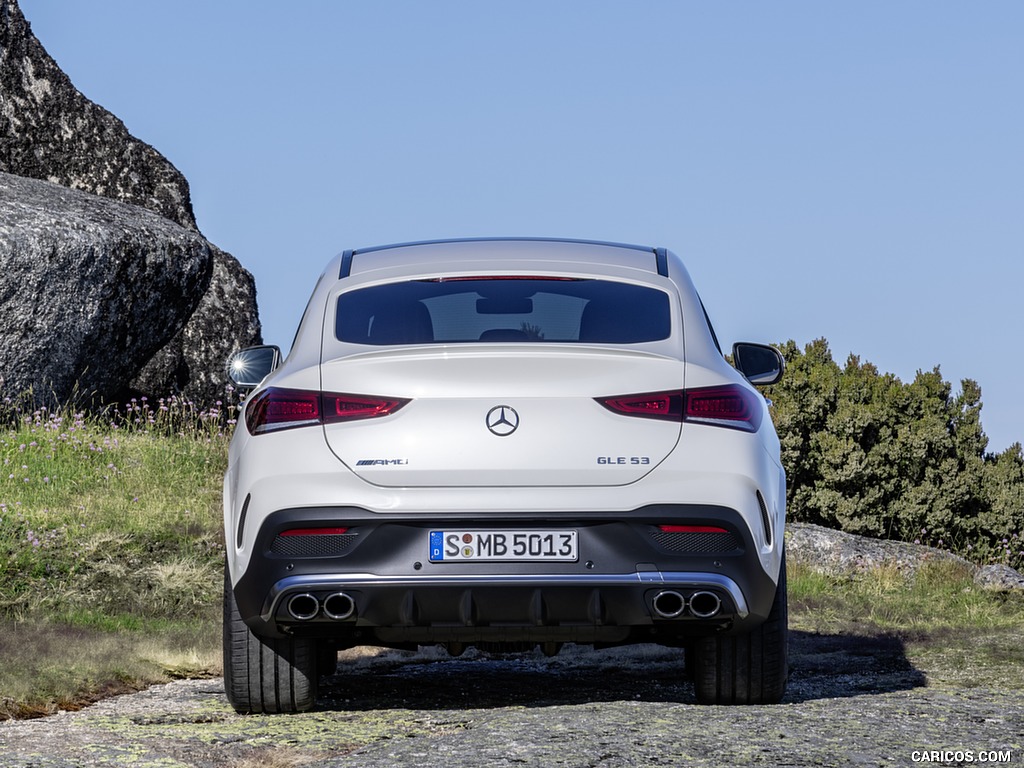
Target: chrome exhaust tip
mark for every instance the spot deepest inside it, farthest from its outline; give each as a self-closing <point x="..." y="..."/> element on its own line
<point x="704" y="605"/>
<point x="303" y="607"/>
<point x="669" y="604"/>
<point x="339" y="606"/>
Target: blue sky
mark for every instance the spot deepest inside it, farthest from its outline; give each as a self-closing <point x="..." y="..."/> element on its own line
<point x="853" y="171"/>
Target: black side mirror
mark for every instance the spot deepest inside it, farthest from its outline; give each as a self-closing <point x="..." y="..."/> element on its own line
<point x="249" y="366"/>
<point x="761" y="364"/>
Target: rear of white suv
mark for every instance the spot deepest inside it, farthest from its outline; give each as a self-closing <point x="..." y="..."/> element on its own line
<point x="504" y="443"/>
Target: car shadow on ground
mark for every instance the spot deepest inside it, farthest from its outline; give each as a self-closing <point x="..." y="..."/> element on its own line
<point x="821" y="667"/>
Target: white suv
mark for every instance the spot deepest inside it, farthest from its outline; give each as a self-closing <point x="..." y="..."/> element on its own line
<point x="504" y="444"/>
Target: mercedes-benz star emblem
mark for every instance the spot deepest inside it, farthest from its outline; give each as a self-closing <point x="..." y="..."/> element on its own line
<point x="502" y="420"/>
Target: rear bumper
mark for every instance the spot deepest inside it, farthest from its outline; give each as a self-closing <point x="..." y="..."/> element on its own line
<point x="626" y="585"/>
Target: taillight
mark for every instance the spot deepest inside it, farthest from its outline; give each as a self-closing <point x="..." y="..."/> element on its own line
<point x="727" y="406"/>
<point x="730" y="405"/>
<point x="277" y="408"/>
<point x="349" y="407"/>
<point x="650" y="405"/>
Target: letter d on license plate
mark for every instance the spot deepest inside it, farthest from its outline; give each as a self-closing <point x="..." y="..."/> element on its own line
<point x="486" y="546"/>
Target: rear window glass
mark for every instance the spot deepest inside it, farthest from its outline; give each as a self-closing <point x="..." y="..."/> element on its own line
<point x="502" y="309"/>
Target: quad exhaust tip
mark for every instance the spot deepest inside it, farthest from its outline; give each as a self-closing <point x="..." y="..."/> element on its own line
<point x="303" y="607"/>
<point x="704" y="605"/>
<point x="339" y="606"/>
<point x="669" y="604"/>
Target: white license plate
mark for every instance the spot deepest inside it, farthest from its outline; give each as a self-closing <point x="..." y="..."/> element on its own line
<point x="483" y="546"/>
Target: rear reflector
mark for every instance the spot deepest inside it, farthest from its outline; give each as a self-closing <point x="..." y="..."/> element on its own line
<point x="730" y="405"/>
<point x="277" y="408"/>
<point x="314" y="532"/>
<point x="691" y="529"/>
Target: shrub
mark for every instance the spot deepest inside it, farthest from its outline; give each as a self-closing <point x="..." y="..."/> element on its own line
<point x="869" y="454"/>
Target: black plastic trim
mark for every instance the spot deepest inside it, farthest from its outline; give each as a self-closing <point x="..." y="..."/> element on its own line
<point x="346" y="265"/>
<point x="393" y="545"/>
<point x="661" y="258"/>
<point x="241" y="519"/>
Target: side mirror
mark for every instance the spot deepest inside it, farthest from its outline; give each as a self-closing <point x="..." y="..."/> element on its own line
<point x="761" y="364"/>
<point x="249" y="366"/>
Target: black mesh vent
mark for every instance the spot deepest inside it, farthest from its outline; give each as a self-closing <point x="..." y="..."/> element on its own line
<point x="765" y="520"/>
<point x="313" y="545"/>
<point x="698" y="543"/>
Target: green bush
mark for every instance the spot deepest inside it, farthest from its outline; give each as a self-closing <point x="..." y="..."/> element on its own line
<point x="869" y="454"/>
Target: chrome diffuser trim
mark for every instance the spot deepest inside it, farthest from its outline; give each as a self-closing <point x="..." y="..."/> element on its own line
<point x="668" y="579"/>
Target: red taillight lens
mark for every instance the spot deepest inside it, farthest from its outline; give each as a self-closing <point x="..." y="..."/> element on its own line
<point x="727" y="406"/>
<point x="347" y="407"/>
<point x="651" y="405"/>
<point x="277" y="408"/>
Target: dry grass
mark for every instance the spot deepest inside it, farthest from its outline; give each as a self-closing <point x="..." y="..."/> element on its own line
<point x="65" y="664"/>
<point x="955" y="632"/>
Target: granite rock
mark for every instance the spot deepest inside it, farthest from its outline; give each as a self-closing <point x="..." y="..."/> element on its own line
<point x="836" y="553"/>
<point x="1000" y="578"/>
<point x="90" y="288"/>
<point x="194" y="363"/>
<point x="50" y="131"/>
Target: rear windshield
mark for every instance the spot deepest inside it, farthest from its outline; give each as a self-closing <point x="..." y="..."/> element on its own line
<point x="503" y="309"/>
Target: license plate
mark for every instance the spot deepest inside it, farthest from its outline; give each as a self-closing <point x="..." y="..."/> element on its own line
<point x="485" y="546"/>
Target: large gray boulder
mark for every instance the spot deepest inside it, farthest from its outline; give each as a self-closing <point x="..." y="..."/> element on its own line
<point x="90" y="288"/>
<point x="51" y="132"/>
<point x="194" y="362"/>
<point x="836" y="553"/>
<point x="846" y="555"/>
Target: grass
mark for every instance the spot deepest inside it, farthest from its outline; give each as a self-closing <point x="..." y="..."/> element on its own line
<point x="111" y="550"/>
<point x="65" y="662"/>
<point x="955" y="632"/>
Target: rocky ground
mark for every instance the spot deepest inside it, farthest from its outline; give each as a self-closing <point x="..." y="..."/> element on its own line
<point x="852" y="700"/>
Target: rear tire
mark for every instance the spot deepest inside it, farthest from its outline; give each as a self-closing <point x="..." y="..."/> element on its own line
<point x="747" y="669"/>
<point x="265" y="675"/>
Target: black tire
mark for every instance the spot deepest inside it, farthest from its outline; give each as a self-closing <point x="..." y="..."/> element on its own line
<point x="747" y="669"/>
<point x="265" y="675"/>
